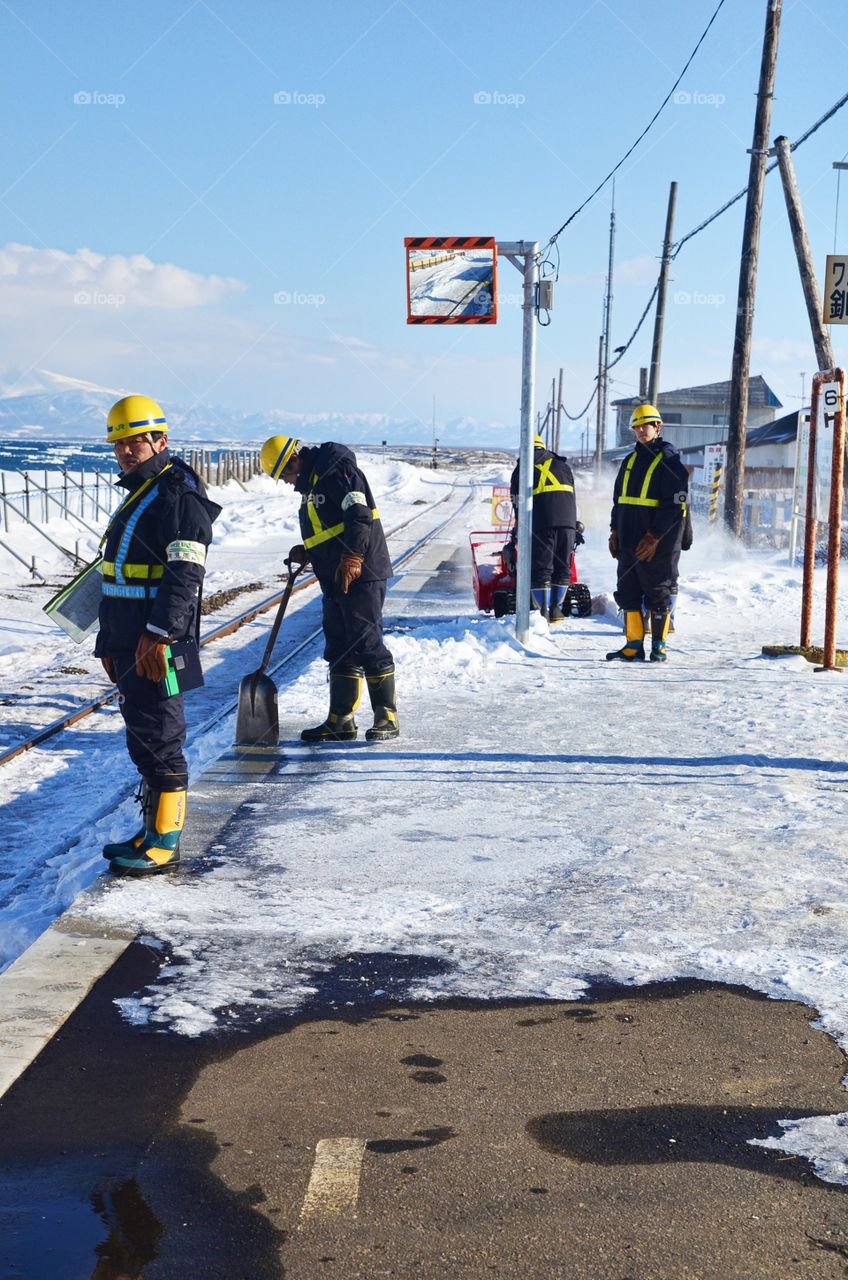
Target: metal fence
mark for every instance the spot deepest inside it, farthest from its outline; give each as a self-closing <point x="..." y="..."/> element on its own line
<point x="85" y="499"/>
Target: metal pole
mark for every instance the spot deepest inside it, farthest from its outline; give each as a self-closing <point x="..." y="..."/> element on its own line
<point x="603" y="391"/>
<point x="810" y="524"/>
<point x="740" y="373"/>
<point x="525" y="468"/>
<point x="659" y="318"/>
<point x="599" y="422"/>
<point x="806" y="267"/>
<point x="834" y="533"/>
<point x="559" y="413"/>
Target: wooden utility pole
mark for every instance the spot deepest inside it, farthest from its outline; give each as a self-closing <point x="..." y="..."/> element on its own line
<point x="809" y="281"/>
<point x="740" y="373"/>
<point x="659" y="319"/>
<point x="643" y="383"/>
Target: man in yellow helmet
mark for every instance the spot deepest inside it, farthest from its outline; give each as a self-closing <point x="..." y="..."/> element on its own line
<point x="646" y="529"/>
<point x="153" y="564"/>
<point x="554" y="529"/>
<point x="343" y="538"/>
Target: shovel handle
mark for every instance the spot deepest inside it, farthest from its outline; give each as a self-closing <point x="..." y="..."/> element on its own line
<point x="275" y="629"/>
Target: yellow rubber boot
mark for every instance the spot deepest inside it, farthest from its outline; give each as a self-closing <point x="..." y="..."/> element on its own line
<point x="160" y="848"/>
<point x="633" y="649"/>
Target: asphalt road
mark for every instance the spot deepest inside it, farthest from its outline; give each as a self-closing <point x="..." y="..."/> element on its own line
<point x="600" y="1139"/>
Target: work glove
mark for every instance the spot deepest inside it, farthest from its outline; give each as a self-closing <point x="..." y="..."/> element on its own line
<point x="298" y="556"/>
<point x="150" y="656"/>
<point x="109" y="668"/>
<point x="350" y="567"/>
<point x="647" y="547"/>
<point x="613" y="544"/>
<point x="578" y="534"/>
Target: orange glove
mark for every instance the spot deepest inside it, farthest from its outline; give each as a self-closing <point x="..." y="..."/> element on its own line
<point x="613" y="544"/>
<point x="109" y="668"/>
<point x="647" y="547"/>
<point x="150" y="656"/>
<point x="350" y="567"/>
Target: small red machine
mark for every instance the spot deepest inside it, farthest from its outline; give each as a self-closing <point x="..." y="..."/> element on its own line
<point x="493" y="576"/>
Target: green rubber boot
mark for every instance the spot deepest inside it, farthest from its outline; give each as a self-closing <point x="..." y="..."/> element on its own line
<point x="127" y="848"/>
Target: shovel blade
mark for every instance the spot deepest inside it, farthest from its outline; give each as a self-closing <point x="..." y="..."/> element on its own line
<point x="257" y="721"/>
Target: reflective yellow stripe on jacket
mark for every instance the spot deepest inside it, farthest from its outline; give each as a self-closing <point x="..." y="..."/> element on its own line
<point x="546" y="483"/>
<point x="147" y="572"/>
<point x="643" y="500"/>
<point x="320" y="532"/>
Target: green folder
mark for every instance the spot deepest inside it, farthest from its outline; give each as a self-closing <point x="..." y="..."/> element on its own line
<point x="75" y="609"/>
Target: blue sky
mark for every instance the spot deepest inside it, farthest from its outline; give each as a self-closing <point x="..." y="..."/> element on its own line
<point x="150" y="137"/>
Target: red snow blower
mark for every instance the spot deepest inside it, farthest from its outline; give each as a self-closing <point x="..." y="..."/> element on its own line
<point x="493" y="574"/>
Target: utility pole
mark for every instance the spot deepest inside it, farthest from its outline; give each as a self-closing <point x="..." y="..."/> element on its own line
<point x="559" y="413"/>
<point x="659" y="319"/>
<point x="740" y="374"/>
<point x="603" y="370"/>
<point x="809" y="281"/>
<point x="599" y="423"/>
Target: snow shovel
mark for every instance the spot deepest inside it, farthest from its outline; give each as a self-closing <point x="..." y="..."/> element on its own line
<point x="257" y="722"/>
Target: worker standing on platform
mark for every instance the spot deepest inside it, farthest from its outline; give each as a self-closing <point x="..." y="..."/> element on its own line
<point x="153" y="564"/>
<point x="554" y="529"/>
<point x="343" y="538"/>
<point x="646" y="529"/>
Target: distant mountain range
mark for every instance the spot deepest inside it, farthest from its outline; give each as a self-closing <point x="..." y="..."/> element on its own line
<point x="52" y="406"/>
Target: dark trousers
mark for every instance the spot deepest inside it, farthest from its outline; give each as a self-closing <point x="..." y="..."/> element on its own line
<point x="550" y="556"/>
<point x="156" y="727"/>
<point x="651" y="580"/>
<point x="353" y="628"/>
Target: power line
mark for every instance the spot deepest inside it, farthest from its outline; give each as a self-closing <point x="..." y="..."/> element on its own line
<point x="644" y="132"/>
<point x="735" y="199"/>
<point x="691" y="234"/>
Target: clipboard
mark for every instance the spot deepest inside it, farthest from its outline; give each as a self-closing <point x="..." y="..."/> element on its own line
<point x="76" y="607"/>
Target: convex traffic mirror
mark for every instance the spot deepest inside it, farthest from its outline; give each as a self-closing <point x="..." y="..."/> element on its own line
<point x="451" y="279"/>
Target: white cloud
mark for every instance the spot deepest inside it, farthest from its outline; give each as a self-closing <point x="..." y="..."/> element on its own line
<point x="52" y="276"/>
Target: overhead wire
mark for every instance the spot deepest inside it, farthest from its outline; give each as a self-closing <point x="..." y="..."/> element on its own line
<point x="643" y="134"/>
<point x="678" y="244"/>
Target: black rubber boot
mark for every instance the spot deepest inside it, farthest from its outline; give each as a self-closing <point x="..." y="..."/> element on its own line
<point x="381" y="690"/>
<point x="340" y="726"/>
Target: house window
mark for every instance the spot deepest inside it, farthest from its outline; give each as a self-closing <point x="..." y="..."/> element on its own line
<point x="672" y="419"/>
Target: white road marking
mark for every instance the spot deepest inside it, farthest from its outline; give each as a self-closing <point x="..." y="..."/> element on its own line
<point x="334" y="1184"/>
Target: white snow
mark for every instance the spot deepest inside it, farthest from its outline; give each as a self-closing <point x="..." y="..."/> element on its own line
<point x="545" y="817"/>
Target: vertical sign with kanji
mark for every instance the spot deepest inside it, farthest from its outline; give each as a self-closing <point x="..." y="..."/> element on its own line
<point x="836" y="289"/>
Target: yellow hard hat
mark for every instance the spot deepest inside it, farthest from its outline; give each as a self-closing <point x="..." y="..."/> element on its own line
<point x="276" y="454"/>
<point x="133" y="416"/>
<point x="644" y="413"/>
<point x="538" y="442"/>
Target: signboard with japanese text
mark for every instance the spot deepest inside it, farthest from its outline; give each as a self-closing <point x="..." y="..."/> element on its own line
<point x="836" y="289"/>
<point x="828" y="408"/>
<point x="501" y="505"/>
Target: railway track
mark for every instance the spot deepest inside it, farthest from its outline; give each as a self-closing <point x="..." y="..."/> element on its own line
<point x="215" y="634"/>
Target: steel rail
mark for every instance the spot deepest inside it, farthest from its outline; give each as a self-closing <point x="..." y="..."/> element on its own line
<point x="218" y="633"/>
